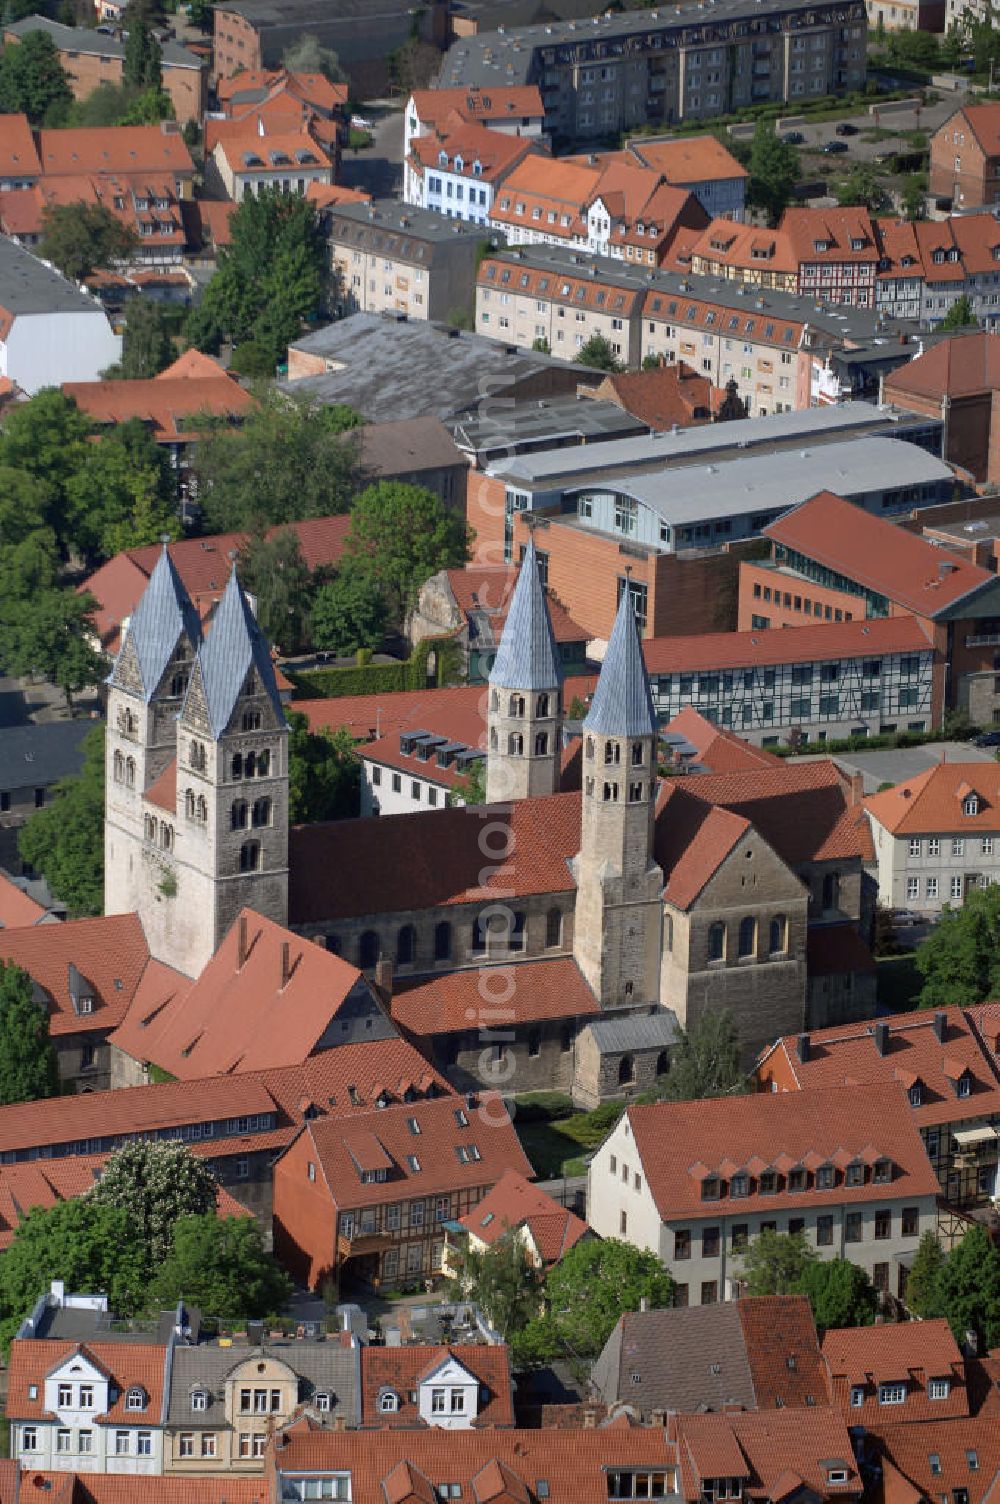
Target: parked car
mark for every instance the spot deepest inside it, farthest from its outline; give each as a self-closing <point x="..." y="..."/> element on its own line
<point x="987" y="739"/>
<point x="905" y="919"/>
<point x="882" y="157"/>
<point x="833" y="147"/>
<point x="793" y="138"/>
<point x="845" y="128"/>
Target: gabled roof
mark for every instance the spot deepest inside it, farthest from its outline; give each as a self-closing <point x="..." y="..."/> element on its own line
<point x="824" y="642"/>
<point x="102" y="959"/>
<point x="16" y="908"/>
<point x="491" y="104"/>
<point x="115" y="148"/>
<point x="716" y="749"/>
<point x="911" y="1352"/>
<point x="235" y="645"/>
<point x="622" y="703"/>
<point x="777" y="1453"/>
<point x="786" y="1366"/>
<point x="514" y="1202"/>
<point x="935" y="1459"/>
<point x="933" y="802"/>
<point x="164" y="614"/>
<point x="120" y="1488"/>
<point x="127" y="1364"/>
<point x="528" y="657"/>
<point x="401" y="1369"/>
<point x="18" y="155"/>
<point x="956" y="367"/>
<point x="689" y="159"/>
<point x="540" y="990"/>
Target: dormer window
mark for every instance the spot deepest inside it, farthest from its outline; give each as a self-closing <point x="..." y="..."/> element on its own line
<point x="797" y="1180"/>
<point x="963" y="1086"/>
<point x="970" y="804"/>
<point x="836" y="1475"/>
<point x="821" y="245"/>
<point x="324" y="1401"/>
<point x="857" y="244"/>
<point x="442" y="159"/>
<point x="199" y="1399"/>
<point x="388" y="1402"/>
<point x="892" y="1394"/>
<point x="739" y="1186"/>
<point x="939" y="1389"/>
<point x="882" y="1173"/>
<point x="826" y="1178"/>
<point x="135" y="1399"/>
<point x="855" y="1174"/>
<point x="710" y="1188"/>
<point x="915" y="1095"/>
<point x="414" y="1163"/>
<point x="413" y="1126"/>
<point x="857" y="1396"/>
<point x="768" y="1182"/>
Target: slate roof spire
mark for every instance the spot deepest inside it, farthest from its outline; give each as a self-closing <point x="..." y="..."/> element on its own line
<point x="622" y="703"/>
<point x="528" y="657"/>
<point x="234" y="645"/>
<point x="163" y="613"/>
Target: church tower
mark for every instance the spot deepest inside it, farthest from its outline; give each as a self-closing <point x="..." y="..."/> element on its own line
<point x="525" y="705"/>
<point x="146" y="688"/>
<point x="619" y="887"/>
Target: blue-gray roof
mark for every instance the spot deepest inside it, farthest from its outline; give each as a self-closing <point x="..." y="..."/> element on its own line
<point x="235" y="644"/>
<point x="635" y="1031"/>
<point x="622" y="704"/>
<point x="528" y="657"/>
<point x="163" y="613"/>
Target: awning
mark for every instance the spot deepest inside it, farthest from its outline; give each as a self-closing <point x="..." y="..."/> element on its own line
<point x="975" y="1135"/>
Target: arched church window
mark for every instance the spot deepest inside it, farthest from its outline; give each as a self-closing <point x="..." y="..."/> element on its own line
<point x="637" y="754"/>
<point x="369" y="949"/>
<point x="541" y="743"/>
<point x="515" y="744"/>
<point x="494" y="701"/>
<point x="663" y="1063"/>
<point x="716" y="941"/>
<point x="479" y="929"/>
<point x="149" y="828"/>
<point x="517" y="705"/>
<point x="406" y="944"/>
<point x="178" y="684"/>
<point x="778" y="935"/>
<point x="263" y="763"/>
<point x="590" y="747"/>
<point x="196" y="756"/>
<point x="130" y="772"/>
<point x="262" y="812"/>
<point x="166" y="836"/>
<point x="494" y="739"/>
<point x="748" y="936"/>
<point x="202" y="808"/>
<point x="119" y="767"/>
<point x="237" y="765"/>
<point x="515" y="930"/>
<point x="250" y="856"/>
<point x="238" y="815"/>
<point x="189" y="805"/>
<point x="542" y="705"/>
<point x="251" y="720"/>
<point x="249" y="765"/>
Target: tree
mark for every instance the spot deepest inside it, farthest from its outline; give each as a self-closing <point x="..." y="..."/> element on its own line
<point x="471" y="788"/>
<point x="147" y="347"/>
<point x="324" y="775"/>
<point x="51" y="633"/>
<point x="252" y="360"/>
<point x="47" y="438"/>
<point x="65" y="841"/>
<point x="774" y="171"/>
<point x="594" y="1283"/>
<point x="220" y="1265"/>
<point x="502" y="1282"/>
<point x="960" y="315"/>
<point x="923" y="1283"/>
<point x="123" y="495"/>
<point x="142" y="68"/>
<point x="960" y="959"/>
<point x="80" y="238"/>
<point x="28" y="1066"/>
<point x="597" y="354"/>
<point x="862" y="186"/>
<point x="307" y="55"/>
<point x="705" y="1062"/>
<point x="157" y="1183"/>
<point x="33" y="81"/>
<point x="969" y="1288"/>
<point x="840" y="1293"/>
<point x="916" y="49"/>
<point x="272" y="567"/>
<point x="399" y="536"/>
<point x="913" y="199"/>
<point x="348" y="612"/>
<point x="292" y="458"/>
<point x="775" y="1263"/>
<point x="122" y="104"/>
<point x="271" y="277"/>
<point x="88" y="1245"/>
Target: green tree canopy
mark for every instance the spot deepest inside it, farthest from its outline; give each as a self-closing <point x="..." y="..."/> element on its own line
<point x="143" y="57"/>
<point x="502" y="1282"/>
<point x="307" y="55"/>
<point x="122" y="104"/>
<point x="157" y="1183"/>
<point x="775" y="1263"/>
<point x="49" y="633"/>
<point x="960" y="315"/>
<point x="81" y="238"/>
<point x="923" y="1284"/>
<point x="292" y="458"/>
<point x="470" y="789"/>
<point x="774" y="171"/>
<point x="123" y="494"/>
<point x="33" y="81"/>
<point x="46" y="438"/>
<point x="147" y="348"/>
<point x="399" y="536"/>
<point x="28" y="1067"/>
<point x="272" y="567"/>
<point x="90" y="1245"/>
<point x="271" y="277"/>
<point x="597" y="354"/>
<point x="913" y="200"/>
<point x="594" y="1283"/>
<point x="840" y="1293"/>
<point x="220" y="1265"/>
<point x="969" y="1288"/>
<point x="705" y="1062"/>
<point x="348" y="612"/>
<point x="324" y="775"/>
<point x="861" y="186"/>
<point x="65" y="841"/>
<point x="960" y="959"/>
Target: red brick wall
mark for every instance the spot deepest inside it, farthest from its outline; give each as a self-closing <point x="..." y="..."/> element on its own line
<point x="484" y="511"/>
<point x="780" y="615"/>
<point x="971" y="180"/>
<point x="235" y="44"/>
<point x="304" y="1216"/>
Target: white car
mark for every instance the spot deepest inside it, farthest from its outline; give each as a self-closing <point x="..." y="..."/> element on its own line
<point x="361" y="124"/>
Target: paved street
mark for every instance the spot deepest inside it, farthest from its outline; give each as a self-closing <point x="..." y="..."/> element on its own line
<point x="378" y="169"/>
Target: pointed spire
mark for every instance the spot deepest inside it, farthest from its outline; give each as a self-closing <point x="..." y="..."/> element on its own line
<point x="163" y="613"/>
<point x="234" y="645"/>
<point x="528" y="657"/>
<point x="622" y="703"/>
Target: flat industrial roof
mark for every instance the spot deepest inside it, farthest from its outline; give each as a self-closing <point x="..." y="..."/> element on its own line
<point x="28" y="285"/>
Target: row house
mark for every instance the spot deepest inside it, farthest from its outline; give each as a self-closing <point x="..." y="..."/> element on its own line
<point x="912" y="1371"/>
<point x="249" y="161"/>
<point x="695" y="1183"/>
<point x="702" y="165"/>
<point x="946" y="1061"/>
<point x="458" y="169"/>
<point x="821" y="254"/>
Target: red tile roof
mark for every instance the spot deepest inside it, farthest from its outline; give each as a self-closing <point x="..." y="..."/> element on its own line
<point x="424" y="1163"/>
<point x="489" y="588"/>
<point x="121" y="1488"/>
<point x="167" y="403"/>
<point x="956" y="367"/>
<point x="309" y="88"/>
<point x="689" y="159"/>
<point x="493" y="152"/>
<point x="351" y="1078"/>
<point x="403" y="1368"/>
<point x="514" y="1202"/>
<point x="779" y="1335"/>
<point x="270" y="1011"/>
<point x="724" y="243"/>
<point x="826" y="641"/>
<point x="129" y="1364"/>
<point x="934" y="1459"/>
<point x="16" y="908"/>
<point x="327" y="195"/>
<point x="846" y="1055"/>
<point x="877" y="554"/>
<point x="115" y="149"/>
<point x="248" y="150"/>
<point x="717" y="749"/>
<point x="682" y="1143"/>
<point x="109" y="952"/>
<point x="539" y="990"/>
<point x="911" y="1352"/>
<point x="18" y="154"/>
<point x="933" y="802"/>
<point x="775" y="1452"/>
<point x="665" y="396"/>
<point x="491" y="104"/>
<point x="163" y="790"/>
<point x="827" y="236"/>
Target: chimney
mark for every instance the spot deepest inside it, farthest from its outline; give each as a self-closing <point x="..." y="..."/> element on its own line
<point x="802" y="1047"/>
<point x="644" y="1303"/>
<point x="589" y="1419"/>
<point x="882" y="1038"/>
<point x="658" y="1418"/>
<point x="383" y="979"/>
<point x="286" y="964"/>
<point x="940" y="1026"/>
<point x="857" y="788"/>
<point x="243" y="949"/>
<point x="340" y="1422"/>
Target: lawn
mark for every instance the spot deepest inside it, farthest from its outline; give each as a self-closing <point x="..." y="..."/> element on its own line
<point x="898" y="982"/>
<point x="558" y="1146"/>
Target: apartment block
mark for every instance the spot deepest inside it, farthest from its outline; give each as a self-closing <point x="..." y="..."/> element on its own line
<point x="391" y="258"/>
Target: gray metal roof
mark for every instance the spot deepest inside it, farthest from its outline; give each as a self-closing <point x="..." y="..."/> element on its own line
<point x="29" y="285"/>
<point x="164" y="612"/>
<point x="36" y="756"/>
<point x="235" y="644"/>
<point x="766" y="482"/>
<point x="635" y="1031"/>
<point x="524" y="426"/>
<point x="408" y="229"/>
<point x="528" y="657"/>
<point x="622" y="704"/>
<point x="320" y="1366"/>
<point x="90" y="42"/>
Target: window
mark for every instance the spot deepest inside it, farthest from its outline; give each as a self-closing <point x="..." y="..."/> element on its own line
<point x="777" y="941"/>
<point x="958" y="846"/>
<point x="388" y="1402"/>
<point x="682" y="1243"/>
<point x="939" y="1389"/>
<point x="892" y="1394"/>
<point x="910" y="1221"/>
<point x="144" y="1444"/>
<point x="710" y="1242"/>
<point x="824" y="1231"/>
<point x="748" y="937"/>
<point x="199" y="1399"/>
<point x="86" y="1401"/>
<point x="442" y="941"/>
<point x="883" y="1224"/>
<point x="65" y="1396"/>
<point x="912" y="888"/>
<point x="64" y="1437"/>
<point x="208" y="1444"/>
<point x="29" y="1439"/>
<point x="250" y="856"/>
<point x="369" y="950"/>
<point x="857" y="1396"/>
<point x="716" y="941"/>
<point x="853" y="1227"/>
<point x="955" y="887"/>
<point x="406" y="942"/>
<point x="135" y="1399"/>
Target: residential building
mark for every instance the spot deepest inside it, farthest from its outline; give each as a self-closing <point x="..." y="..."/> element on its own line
<point x="457" y="168"/>
<point x="668" y="396"/>
<point x="625" y="70"/>
<point x="514" y="111"/>
<point x="33" y="757"/>
<point x="400" y="260"/>
<point x="273" y="90"/>
<point x="20" y="165"/>
<point x="958" y="380"/>
<point x="965" y="157"/>
<point x="370" y="1198"/>
<point x="702" y="165"/>
<point x="831" y="254"/>
<point x="891" y="1374"/>
<point x="930" y="830"/>
<point x="756" y="1454"/>
<point x="250" y="156"/>
<point x="954" y="1456"/>
<point x="907" y="15"/>
<point x="118" y="149"/>
<point x="90" y="58"/>
<point x="148" y="206"/>
<point x="946" y="1060"/>
<point x="417" y="452"/>
<point x="50" y="330"/>
<point x="545" y="1229"/>
<point x="853" y="561"/>
<point x="752" y="1354"/>
<point x="103" y="1488"/>
<point x="448" y="1388"/>
<point x="838" y="679"/>
<point x="695" y="1182"/>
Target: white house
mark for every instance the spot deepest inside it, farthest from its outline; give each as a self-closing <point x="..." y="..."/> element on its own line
<point x="696" y="1182"/>
<point x="457" y="172"/>
<point x="87" y="1407"/>
<point x="51" y="331"/>
<point x="937" y="836"/>
<point x="516" y="110"/>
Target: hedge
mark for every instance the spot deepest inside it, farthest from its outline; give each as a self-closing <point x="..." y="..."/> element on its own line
<point x="366" y="678"/>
